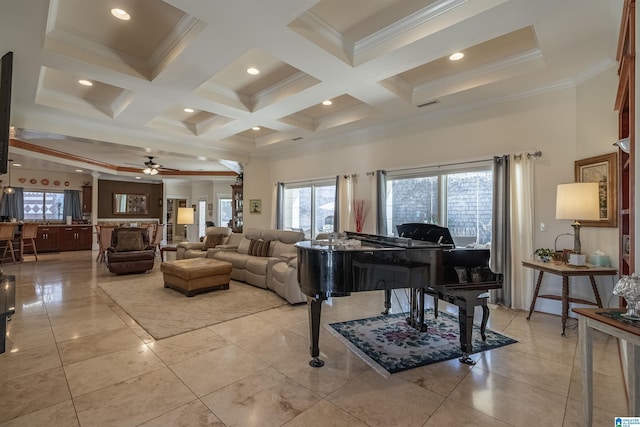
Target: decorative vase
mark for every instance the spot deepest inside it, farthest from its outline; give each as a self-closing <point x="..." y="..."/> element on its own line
<point x="629" y="288"/>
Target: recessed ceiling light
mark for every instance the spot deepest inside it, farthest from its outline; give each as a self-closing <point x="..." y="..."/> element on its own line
<point x="84" y="82"/>
<point x="256" y="128"/>
<point x="138" y="177"/>
<point x="203" y="158"/>
<point x="16" y="164"/>
<point x="253" y="71"/>
<point x="120" y="14"/>
<point x="188" y="110"/>
<point x="79" y="170"/>
<point x="327" y="102"/>
<point x="456" y="56"/>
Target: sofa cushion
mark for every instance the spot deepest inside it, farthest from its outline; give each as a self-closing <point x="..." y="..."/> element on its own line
<point x="129" y="241"/>
<point x="257" y="265"/>
<point x="212" y="241"/>
<point x="243" y="246"/>
<point x="259" y="248"/>
<point x="286" y="236"/>
<point x="238" y="261"/>
<point x="253" y="233"/>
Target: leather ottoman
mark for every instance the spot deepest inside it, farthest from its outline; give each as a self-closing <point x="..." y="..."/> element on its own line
<point x="195" y="275"/>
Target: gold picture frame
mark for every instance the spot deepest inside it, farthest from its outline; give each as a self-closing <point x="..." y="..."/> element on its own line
<point x="255" y="206"/>
<point x="603" y="170"/>
<point x="130" y="204"/>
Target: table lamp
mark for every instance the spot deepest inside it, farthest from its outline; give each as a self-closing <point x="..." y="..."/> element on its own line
<point x="185" y="216"/>
<point x="578" y="200"/>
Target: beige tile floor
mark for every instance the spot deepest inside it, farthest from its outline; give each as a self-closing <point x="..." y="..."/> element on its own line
<point x="75" y="358"/>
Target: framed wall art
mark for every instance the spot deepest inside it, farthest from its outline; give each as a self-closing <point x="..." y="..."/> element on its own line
<point x="255" y="206"/>
<point x="603" y="170"/>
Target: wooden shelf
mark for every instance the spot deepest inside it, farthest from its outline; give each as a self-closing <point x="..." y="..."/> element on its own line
<point x="625" y="106"/>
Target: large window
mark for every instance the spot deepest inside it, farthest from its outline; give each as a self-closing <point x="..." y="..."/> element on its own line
<point x="224" y="211"/>
<point x="460" y="200"/>
<point x="43" y="206"/>
<point x="309" y="207"/>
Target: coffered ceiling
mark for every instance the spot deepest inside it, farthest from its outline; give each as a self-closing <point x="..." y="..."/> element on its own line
<point x="172" y="80"/>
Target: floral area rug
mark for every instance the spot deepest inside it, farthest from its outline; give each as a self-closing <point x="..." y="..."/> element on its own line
<point x="389" y="345"/>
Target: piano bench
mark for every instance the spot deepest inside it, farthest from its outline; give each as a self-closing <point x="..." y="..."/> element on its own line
<point x="482" y="299"/>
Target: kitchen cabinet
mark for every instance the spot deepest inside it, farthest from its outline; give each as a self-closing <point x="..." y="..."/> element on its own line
<point x="58" y="238"/>
<point x="75" y="238"/>
<point x="47" y="239"/>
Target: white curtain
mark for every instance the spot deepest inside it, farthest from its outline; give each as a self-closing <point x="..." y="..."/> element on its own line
<point x="345" y="197"/>
<point x="522" y="177"/>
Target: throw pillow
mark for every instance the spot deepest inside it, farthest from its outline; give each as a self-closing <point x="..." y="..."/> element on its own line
<point x="129" y="241"/>
<point x="259" y="247"/>
<point x="212" y="240"/>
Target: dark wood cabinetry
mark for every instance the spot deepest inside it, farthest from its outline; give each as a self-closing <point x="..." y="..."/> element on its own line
<point x="47" y="239"/>
<point x="57" y="238"/>
<point x="75" y="238"/>
<point x="87" y="193"/>
<point x="625" y="105"/>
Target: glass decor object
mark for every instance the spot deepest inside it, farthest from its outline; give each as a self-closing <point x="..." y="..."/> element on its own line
<point x="629" y="288"/>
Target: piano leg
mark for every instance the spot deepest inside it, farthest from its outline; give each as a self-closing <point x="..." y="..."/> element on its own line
<point x="485" y="318"/>
<point x="465" y="321"/>
<point x="314" y="308"/>
<point x="416" y="307"/>
<point x="387" y="302"/>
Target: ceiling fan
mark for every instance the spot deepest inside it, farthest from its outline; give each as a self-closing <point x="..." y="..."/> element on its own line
<point x="151" y="167"/>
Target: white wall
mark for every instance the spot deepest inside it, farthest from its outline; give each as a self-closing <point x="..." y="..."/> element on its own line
<point x="74" y="181"/>
<point x="566" y="125"/>
<point x="255" y="186"/>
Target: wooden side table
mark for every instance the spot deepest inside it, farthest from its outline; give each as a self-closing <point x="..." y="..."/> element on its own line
<point x="164" y="249"/>
<point x="590" y="319"/>
<point x="566" y="271"/>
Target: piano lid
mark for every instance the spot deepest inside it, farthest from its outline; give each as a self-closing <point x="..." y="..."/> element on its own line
<point x="425" y="232"/>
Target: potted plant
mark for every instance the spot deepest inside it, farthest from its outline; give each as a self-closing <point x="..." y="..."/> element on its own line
<point x="544" y="254"/>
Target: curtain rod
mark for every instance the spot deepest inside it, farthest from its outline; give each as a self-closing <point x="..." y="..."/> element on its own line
<point x="440" y="166"/>
<point x="535" y="155"/>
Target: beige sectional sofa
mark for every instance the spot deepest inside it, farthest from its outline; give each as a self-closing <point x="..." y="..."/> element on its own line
<point x="275" y="268"/>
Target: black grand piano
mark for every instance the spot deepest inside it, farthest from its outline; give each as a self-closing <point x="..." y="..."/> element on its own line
<point x="423" y="259"/>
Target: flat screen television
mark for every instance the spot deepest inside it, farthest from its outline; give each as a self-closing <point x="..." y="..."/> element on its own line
<point x="6" y="70"/>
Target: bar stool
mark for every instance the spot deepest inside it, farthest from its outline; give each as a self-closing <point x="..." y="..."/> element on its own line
<point x="157" y="236"/>
<point x="104" y="240"/>
<point x="7" y="232"/>
<point x="28" y="238"/>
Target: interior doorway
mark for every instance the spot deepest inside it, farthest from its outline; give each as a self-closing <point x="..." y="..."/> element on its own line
<point x="175" y="231"/>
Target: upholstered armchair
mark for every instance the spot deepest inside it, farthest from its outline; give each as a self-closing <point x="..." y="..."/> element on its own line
<point x="130" y="251"/>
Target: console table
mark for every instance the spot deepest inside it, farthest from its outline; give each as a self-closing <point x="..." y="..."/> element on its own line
<point x="590" y="319"/>
<point x="566" y="271"/>
<point x="7" y="305"/>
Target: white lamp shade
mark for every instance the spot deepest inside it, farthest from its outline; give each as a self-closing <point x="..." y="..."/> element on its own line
<point x="578" y="200"/>
<point x="185" y="216"/>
